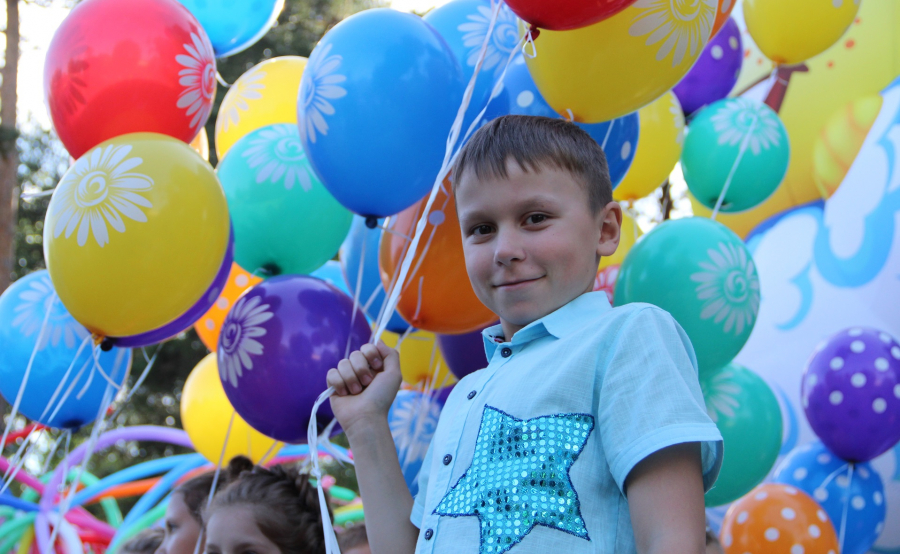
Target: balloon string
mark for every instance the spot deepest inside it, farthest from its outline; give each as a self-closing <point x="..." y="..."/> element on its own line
<point x="221" y="80"/>
<point x="17" y="462"/>
<point x="37" y="345"/>
<point x="144" y="374"/>
<point x="356" y="293"/>
<point x="215" y="481"/>
<point x="65" y="377"/>
<point x="744" y="144"/>
<point x="312" y="436"/>
<point x="843" y="532"/>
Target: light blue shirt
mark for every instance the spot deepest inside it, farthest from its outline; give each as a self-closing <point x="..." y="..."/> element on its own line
<point x="531" y="453"/>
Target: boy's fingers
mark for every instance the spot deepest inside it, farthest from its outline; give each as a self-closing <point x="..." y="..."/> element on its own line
<point x="391" y="357"/>
<point x="370" y="351"/>
<point x="361" y="367"/>
<point x="334" y="380"/>
<point x="345" y="368"/>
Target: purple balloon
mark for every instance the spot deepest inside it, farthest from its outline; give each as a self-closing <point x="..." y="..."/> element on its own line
<point x="188" y="318"/>
<point x="464" y="353"/>
<point x="851" y="393"/>
<point x="278" y="343"/>
<point x="715" y="72"/>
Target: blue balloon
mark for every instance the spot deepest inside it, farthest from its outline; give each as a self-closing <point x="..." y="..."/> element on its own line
<point x="618" y="137"/>
<point x="234" y="25"/>
<point x="333" y="274"/>
<point x="371" y="292"/>
<point x="413" y="419"/>
<point x="464" y="25"/>
<point x="65" y="388"/>
<point x="818" y="472"/>
<point x="377" y="100"/>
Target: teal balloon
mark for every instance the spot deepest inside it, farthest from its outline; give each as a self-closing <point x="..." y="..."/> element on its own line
<point x="701" y="273"/>
<point x="715" y="138"/>
<point x="747" y="414"/>
<point x="285" y="220"/>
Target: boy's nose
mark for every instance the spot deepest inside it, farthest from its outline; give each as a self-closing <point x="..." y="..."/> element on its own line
<point x="508" y="248"/>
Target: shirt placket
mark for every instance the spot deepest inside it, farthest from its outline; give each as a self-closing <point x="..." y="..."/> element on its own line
<point x="443" y="461"/>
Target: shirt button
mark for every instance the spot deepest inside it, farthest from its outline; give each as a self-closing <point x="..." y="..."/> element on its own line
<point x="428" y="534"/>
<point x="447" y="459"/>
<point x="471" y="395"/>
<point x="506" y="352"/>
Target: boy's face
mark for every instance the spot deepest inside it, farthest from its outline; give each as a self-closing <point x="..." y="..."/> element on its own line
<point x="531" y="241"/>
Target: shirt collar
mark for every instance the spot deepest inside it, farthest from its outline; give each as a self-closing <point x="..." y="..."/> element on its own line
<point x="566" y="319"/>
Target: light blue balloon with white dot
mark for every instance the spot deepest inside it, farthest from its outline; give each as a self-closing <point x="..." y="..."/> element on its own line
<point x="857" y="492"/>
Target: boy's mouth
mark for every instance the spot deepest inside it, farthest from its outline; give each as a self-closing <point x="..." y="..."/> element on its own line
<point x="518" y="283"/>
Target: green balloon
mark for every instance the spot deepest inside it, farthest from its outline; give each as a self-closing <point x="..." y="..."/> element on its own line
<point x="701" y="273"/>
<point x="713" y="144"/>
<point x="748" y="416"/>
<point x="285" y="221"/>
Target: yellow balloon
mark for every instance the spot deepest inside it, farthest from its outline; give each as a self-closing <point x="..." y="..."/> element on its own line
<point x="791" y="31"/>
<point x="614" y="67"/>
<point x="628" y="235"/>
<point x="865" y="61"/>
<point x="264" y="95"/>
<point x="135" y="233"/>
<point x="206" y="412"/>
<point x="658" y="149"/>
<point x="420" y="356"/>
<point x="201" y="144"/>
<point x="841" y="140"/>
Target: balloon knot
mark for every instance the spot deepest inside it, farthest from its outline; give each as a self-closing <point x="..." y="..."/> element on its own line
<point x="535" y="32"/>
<point x="371" y="222"/>
<point x="106" y="344"/>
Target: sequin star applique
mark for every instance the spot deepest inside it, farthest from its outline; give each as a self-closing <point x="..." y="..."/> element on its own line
<point x="519" y="478"/>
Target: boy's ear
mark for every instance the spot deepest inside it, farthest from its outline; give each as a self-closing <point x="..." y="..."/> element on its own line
<point x="610" y="230"/>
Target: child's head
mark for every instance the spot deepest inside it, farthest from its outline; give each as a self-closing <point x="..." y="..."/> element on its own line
<point x="183" y="519"/>
<point x="535" y="207"/>
<point x="145" y="542"/>
<point x="267" y="511"/>
<point x="354" y="540"/>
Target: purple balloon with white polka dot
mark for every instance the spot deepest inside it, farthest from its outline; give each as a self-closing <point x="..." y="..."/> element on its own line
<point x="851" y="393"/>
<point x="715" y="72"/>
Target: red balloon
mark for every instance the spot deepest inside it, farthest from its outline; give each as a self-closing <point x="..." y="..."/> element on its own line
<point x="125" y="66"/>
<point x="565" y="15"/>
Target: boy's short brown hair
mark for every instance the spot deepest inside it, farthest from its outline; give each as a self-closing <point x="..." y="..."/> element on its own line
<point x="534" y="143"/>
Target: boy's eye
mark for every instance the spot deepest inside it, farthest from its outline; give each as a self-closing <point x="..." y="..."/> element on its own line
<point x="534" y="219"/>
<point x="482" y="230"/>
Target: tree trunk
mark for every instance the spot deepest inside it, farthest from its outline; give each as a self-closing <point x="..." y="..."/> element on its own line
<point x="9" y="156"/>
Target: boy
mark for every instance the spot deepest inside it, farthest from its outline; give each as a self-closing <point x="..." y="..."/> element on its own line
<point x="587" y="432"/>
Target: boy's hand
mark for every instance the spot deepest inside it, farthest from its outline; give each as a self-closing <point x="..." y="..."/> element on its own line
<point x="365" y="384"/>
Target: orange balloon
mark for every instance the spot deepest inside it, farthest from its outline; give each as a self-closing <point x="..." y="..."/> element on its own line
<point x="209" y="326"/>
<point x="777" y="519"/>
<point x="201" y="144"/>
<point x="725" y="8"/>
<point x="437" y="295"/>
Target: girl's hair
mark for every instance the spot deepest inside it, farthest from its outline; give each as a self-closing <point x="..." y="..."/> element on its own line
<point x="195" y="492"/>
<point x="285" y="503"/>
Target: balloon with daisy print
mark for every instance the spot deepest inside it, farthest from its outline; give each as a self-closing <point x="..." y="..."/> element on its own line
<point x="135" y="234"/>
<point x="614" y="67"/>
<point x="123" y="67"/>
<point x="66" y="386"/>
<point x="266" y="94"/>
<point x="747" y="414"/>
<point x="376" y="104"/>
<point x="464" y="24"/>
<point x="702" y="273"/>
<point x="285" y="220"/>
<point x="276" y="347"/>
<point x="738" y="146"/>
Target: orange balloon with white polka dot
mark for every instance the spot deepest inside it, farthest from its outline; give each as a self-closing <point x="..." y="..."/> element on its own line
<point x="209" y="326"/>
<point x="777" y="519"/>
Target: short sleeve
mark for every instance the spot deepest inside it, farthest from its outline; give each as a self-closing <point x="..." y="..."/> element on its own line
<point x="650" y="397"/>
<point x="418" y="509"/>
